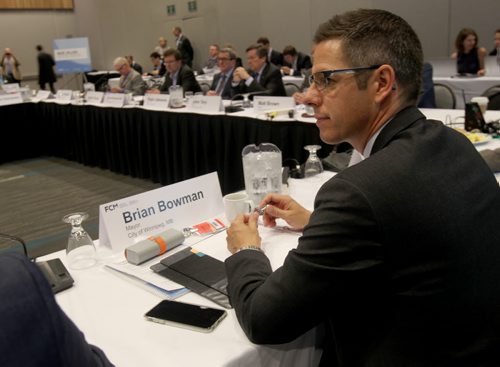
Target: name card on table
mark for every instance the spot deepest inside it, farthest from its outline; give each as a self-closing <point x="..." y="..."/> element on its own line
<point x="42" y="94"/>
<point x="206" y="103"/>
<point x="156" y="101"/>
<point x="114" y="99"/>
<point x="127" y="221"/>
<point x="64" y="95"/>
<point x="94" y="97"/>
<point x="11" y="98"/>
<point x="267" y="103"/>
<point x="11" y="87"/>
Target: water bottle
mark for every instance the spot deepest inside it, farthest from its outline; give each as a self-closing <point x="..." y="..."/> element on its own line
<point x="262" y="170"/>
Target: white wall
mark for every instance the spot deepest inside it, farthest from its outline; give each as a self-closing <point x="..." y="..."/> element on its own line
<point x="118" y="27"/>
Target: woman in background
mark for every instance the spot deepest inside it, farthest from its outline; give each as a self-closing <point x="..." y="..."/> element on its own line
<point x="10" y="66"/>
<point x="470" y="58"/>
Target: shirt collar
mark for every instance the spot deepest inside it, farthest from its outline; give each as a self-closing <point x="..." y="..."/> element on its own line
<point x="357" y="157"/>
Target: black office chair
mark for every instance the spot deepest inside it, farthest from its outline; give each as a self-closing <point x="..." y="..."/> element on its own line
<point x="290" y="89"/>
<point x="445" y="98"/>
<point x="493" y="94"/>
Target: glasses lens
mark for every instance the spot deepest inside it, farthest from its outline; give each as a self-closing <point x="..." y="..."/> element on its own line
<point x="318" y="79"/>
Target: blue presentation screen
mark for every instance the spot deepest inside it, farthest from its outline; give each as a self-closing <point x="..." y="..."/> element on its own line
<point x="72" y="55"/>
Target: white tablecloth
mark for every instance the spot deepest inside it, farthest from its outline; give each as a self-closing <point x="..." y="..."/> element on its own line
<point x="471" y="86"/>
<point x="109" y="310"/>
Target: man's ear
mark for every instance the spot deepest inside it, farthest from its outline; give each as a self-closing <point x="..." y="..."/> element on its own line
<point x="385" y="82"/>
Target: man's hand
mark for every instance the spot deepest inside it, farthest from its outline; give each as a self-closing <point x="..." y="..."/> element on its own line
<point x="243" y="232"/>
<point x="240" y="74"/>
<point x="284" y="207"/>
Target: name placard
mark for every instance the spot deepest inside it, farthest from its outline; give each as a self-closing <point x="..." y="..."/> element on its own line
<point x="11" y="87"/>
<point x="206" y="103"/>
<point x="64" y="94"/>
<point x="42" y="94"/>
<point x="114" y="99"/>
<point x="183" y="204"/>
<point x="156" y="101"/>
<point x="94" y="97"/>
<point x="11" y="98"/>
<point x="266" y="103"/>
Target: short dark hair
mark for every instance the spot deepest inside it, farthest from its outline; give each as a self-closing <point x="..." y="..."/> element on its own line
<point x="376" y="37"/>
<point x="39" y="47"/>
<point x="261" y="50"/>
<point x="155" y="55"/>
<point x="263" y="41"/>
<point x="229" y="51"/>
<point x="173" y="51"/>
<point x="289" y="50"/>
<point x="462" y="35"/>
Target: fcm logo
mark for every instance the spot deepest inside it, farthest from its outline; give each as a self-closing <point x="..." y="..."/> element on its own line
<point x="110" y="208"/>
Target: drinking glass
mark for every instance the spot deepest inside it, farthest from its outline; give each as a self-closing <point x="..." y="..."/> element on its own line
<point x="313" y="164"/>
<point x="188" y="95"/>
<point x="80" y="251"/>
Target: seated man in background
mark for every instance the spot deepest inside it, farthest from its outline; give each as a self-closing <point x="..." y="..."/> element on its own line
<point x="273" y="56"/>
<point x="137" y="67"/>
<point x="158" y="65"/>
<point x="211" y="63"/>
<point x="262" y="76"/>
<point x="399" y="261"/>
<point x="35" y="331"/>
<point x="130" y="80"/>
<point x="295" y="63"/>
<point x="221" y="85"/>
<point x="177" y="74"/>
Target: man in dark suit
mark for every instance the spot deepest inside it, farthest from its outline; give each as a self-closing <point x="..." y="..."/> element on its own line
<point x="177" y="74"/>
<point x="35" y="331"/>
<point x="184" y="46"/>
<point x="221" y="85"/>
<point x="400" y="258"/>
<point x="46" y="72"/>
<point x="273" y="56"/>
<point x="294" y="63"/>
<point x="261" y="77"/>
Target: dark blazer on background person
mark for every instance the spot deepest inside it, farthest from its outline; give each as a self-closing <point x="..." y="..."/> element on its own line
<point x="34" y="330"/>
<point x="276" y="58"/>
<point x="45" y="68"/>
<point x="400" y="258"/>
<point x="270" y="80"/>
<point x="227" y="92"/>
<point x="185" y="78"/>
<point x="303" y="63"/>
<point x="186" y="50"/>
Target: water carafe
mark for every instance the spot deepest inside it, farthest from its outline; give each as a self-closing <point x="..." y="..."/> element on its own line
<point x="262" y="170"/>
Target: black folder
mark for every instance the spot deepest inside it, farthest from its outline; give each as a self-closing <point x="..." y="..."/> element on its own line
<point x="198" y="272"/>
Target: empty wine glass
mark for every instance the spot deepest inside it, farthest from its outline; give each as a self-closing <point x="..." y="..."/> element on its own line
<point x="80" y="251"/>
<point x="313" y="165"/>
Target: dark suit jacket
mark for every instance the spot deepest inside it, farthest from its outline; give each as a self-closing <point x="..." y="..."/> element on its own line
<point x="227" y="92"/>
<point x="186" y="79"/>
<point x="400" y="258"/>
<point x="269" y="80"/>
<point x="186" y="51"/>
<point x="303" y="63"/>
<point x="34" y="330"/>
<point x="276" y="58"/>
<point x="46" y="68"/>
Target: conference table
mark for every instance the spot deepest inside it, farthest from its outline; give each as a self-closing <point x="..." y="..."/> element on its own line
<point x="109" y="310"/>
<point x="467" y="87"/>
<point x="162" y="146"/>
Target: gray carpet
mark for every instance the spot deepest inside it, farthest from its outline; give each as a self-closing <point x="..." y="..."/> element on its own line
<point x="35" y="194"/>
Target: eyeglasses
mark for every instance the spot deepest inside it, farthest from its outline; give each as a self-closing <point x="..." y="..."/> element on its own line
<point x="322" y="78"/>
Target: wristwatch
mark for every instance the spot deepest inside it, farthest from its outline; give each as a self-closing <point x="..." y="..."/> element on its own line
<point x="249" y="247"/>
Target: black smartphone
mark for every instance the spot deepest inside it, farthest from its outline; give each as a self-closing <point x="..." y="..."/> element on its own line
<point x="186" y="315"/>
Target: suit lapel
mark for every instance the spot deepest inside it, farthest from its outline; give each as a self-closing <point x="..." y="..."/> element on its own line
<point x="400" y="122"/>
